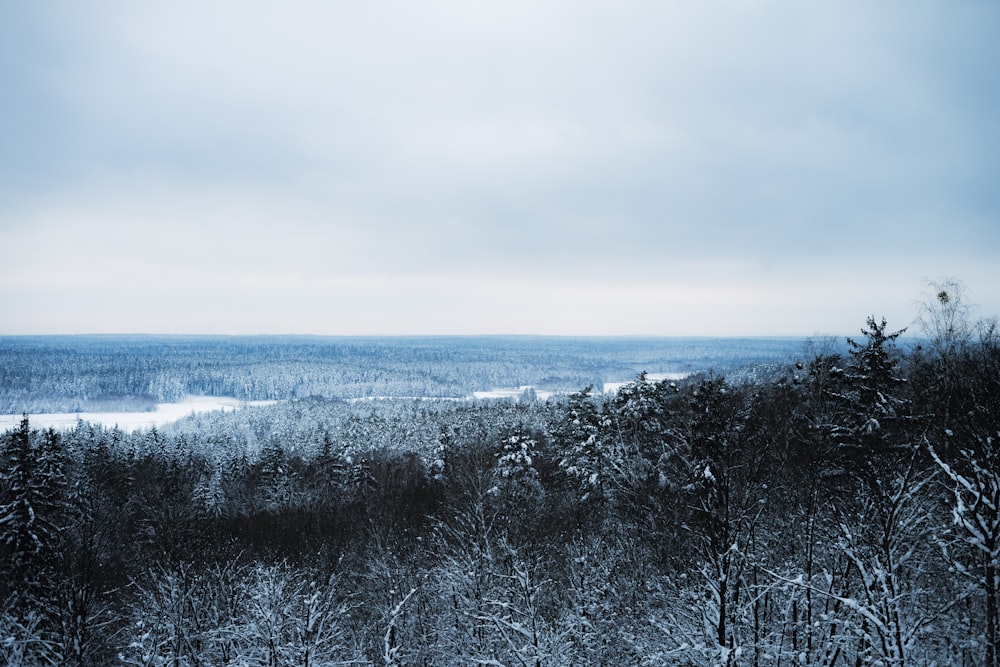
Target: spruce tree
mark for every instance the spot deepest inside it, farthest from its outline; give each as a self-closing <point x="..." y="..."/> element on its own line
<point x="31" y="504"/>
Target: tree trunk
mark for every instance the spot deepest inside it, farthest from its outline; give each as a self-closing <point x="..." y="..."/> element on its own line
<point x="991" y="607"/>
<point x="723" y="572"/>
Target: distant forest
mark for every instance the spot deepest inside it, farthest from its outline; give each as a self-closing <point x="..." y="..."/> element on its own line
<point x="133" y="373"/>
<point x="840" y="509"/>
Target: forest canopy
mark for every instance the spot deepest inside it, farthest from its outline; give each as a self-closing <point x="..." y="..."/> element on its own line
<point x="840" y="509"/>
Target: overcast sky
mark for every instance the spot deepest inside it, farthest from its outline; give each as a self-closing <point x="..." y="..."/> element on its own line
<point x="664" y="168"/>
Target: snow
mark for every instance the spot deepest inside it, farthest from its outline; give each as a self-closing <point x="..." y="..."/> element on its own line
<point x="386" y="397"/>
<point x="612" y="387"/>
<point x="165" y="413"/>
<point x="512" y="394"/>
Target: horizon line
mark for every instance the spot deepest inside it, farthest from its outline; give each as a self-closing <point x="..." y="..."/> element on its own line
<point x="416" y="335"/>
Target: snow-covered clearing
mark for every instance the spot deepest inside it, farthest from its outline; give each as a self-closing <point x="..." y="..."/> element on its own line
<point x="524" y="392"/>
<point x="612" y="387"/>
<point x="165" y="413"/>
<point x="514" y="394"/>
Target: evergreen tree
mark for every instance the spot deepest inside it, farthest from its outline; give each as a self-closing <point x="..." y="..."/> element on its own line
<point x="581" y="437"/>
<point x="872" y="403"/>
<point x="33" y="485"/>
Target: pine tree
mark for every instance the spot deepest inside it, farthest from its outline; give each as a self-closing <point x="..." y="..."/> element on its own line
<point x="871" y="400"/>
<point x="33" y="485"/>
<point x="580" y="437"/>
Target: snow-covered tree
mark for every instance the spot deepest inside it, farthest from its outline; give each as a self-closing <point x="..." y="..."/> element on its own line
<point x="974" y="475"/>
<point x="715" y="488"/>
<point x="24" y="642"/>
<point x="962" y="399"/>
<point x="276" y="477"/>
<point x="493" y="596"/>
<point x="872" y="402"/>
<point x="32" y="484"/>
<point x="237" y="614"/>
<point x="605" y="583"/>
<point x="292" y="619"/>
<point x="644" y="435"/>
<point x="516" y="475"/>
<point x="209" y="494"/>
<point x="586" y="457"/>
<point x="888" y="610"/>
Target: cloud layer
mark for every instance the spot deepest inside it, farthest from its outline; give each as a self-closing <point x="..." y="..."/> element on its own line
<point x="535" y="167"/>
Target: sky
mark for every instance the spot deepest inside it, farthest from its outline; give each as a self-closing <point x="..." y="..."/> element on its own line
<point x="449" y="167"/>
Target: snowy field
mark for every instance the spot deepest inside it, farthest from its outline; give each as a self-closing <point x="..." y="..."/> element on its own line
<point x="513" y="394"/>
<point x="165" y="413"/>
<point x="612" y="387"/>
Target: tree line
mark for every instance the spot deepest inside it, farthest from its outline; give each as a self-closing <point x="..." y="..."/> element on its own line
<point x="843" y="512"/>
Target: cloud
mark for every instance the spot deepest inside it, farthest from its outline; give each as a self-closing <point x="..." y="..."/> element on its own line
<point x="564" y="143"/>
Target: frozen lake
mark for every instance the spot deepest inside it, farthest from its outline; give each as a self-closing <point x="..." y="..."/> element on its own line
<point x="165" y="413"/>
